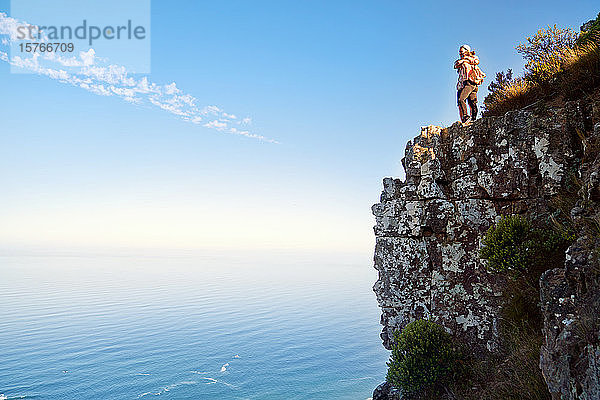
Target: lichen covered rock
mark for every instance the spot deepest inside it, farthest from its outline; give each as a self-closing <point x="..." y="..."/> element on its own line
<point x="459" y="181"/>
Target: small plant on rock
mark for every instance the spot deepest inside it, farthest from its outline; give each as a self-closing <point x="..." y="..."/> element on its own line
<point x="422" y="358"/>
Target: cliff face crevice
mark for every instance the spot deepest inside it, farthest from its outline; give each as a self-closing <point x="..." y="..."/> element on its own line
<point x="459" y="181"/>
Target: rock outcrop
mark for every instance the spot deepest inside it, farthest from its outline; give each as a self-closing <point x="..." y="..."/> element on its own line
<point x="570" y="296"/>
<point x="459" y="181"/>
<point x="385" y="391"/>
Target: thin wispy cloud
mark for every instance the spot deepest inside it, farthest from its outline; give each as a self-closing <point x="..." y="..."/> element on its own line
<point x="95" y="74"/>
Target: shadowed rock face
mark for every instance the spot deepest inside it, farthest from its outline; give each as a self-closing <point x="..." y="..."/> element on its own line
<point x="459" y="181"/>
<point x="570" y="296"/>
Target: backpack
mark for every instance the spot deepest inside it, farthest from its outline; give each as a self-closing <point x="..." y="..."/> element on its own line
<point x="476" y="75"/>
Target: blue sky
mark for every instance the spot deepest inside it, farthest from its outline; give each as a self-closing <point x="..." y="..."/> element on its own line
<point x="340" y="85"/>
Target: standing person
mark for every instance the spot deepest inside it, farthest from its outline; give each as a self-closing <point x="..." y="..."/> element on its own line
<point x="466" y="86"/>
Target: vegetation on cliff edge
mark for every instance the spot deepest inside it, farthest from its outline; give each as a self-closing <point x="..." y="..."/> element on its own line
<point x="560" y="64"/>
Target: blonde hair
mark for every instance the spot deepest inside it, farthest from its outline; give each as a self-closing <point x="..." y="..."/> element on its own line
<point x="468" y="49"/>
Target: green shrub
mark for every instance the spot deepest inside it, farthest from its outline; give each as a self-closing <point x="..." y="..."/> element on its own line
<point x="507" y="245"/>
<point x="422" y="357"/>
<point x="513" y="245"/>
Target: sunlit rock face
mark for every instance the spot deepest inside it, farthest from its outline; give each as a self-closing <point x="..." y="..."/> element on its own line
<point x="459" y="181"/>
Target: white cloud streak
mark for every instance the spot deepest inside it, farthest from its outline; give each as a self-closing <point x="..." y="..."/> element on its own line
<point x="89" y="72"/>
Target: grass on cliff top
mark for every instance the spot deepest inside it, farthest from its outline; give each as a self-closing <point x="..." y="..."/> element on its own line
<point x="560" y="64"/>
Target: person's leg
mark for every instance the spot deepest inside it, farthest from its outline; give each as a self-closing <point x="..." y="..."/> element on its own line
<point x="473" y="103"/>
<point x="461" y="113"/>
<point x="462" y="97"/>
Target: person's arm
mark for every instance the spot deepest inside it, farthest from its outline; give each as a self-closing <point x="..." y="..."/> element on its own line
<point x="473" y="60"/>
<point x="458" y="63"/>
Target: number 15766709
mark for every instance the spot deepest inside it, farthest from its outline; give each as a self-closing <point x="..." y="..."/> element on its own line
<point x="33" y="47"/>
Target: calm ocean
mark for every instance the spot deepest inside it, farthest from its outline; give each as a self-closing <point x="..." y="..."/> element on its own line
<point x="193" y="327"/>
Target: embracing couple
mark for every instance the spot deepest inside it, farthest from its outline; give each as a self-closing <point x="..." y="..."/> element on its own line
<point x="470" y="77"/>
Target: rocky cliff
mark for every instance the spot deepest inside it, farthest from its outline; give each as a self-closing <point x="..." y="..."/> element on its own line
<point x="459" y="181"/>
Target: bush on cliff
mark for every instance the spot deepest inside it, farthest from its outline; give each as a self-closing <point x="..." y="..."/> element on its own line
<point x="422" y="358"/>
<point x="515" y="246"/>
<point x="544" y="53"/>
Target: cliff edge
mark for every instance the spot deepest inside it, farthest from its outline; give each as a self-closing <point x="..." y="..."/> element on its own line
<point x="460" y="181"/>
